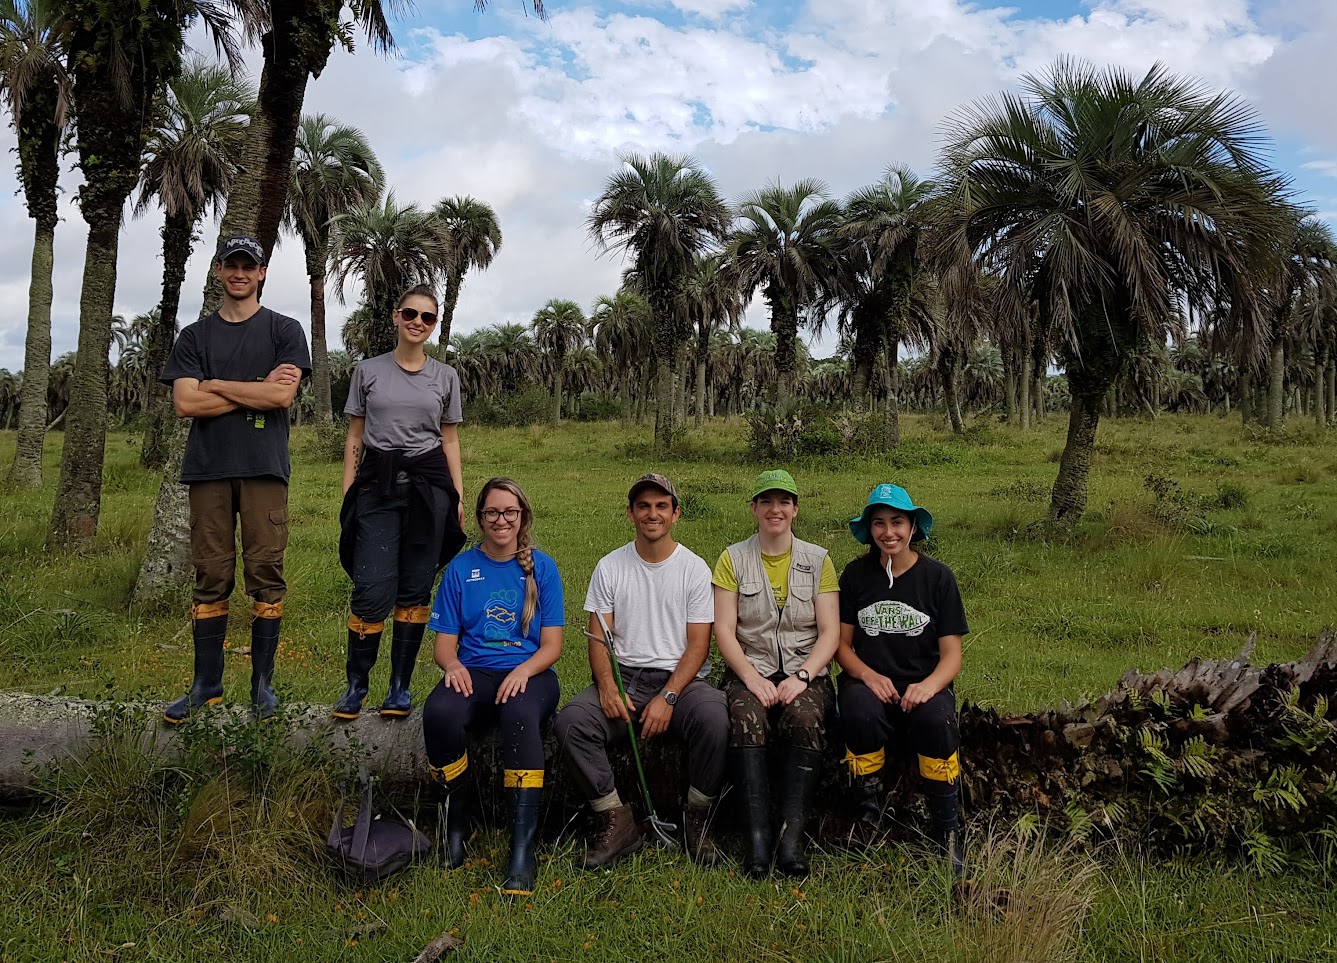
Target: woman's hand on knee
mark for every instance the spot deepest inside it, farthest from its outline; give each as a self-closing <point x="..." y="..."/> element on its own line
<point x="459" y="679"/>
<point x="764" y="689"/>
<point x="917" y="694"/>
<point x="513" y="684"/>
<point x="882" y="687"/>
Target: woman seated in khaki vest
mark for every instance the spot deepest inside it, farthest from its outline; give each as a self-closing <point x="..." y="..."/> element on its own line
<point x="777" y="625"/>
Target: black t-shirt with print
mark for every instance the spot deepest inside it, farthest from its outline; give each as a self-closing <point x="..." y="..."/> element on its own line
<point x="897" y="626"/>
<point x="242" y="443"/>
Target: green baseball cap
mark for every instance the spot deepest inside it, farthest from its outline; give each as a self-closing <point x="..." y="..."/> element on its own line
<point x="774" y="480"/>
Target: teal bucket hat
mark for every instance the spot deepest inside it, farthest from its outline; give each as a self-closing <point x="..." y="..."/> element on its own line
<point x="892" y="496"/>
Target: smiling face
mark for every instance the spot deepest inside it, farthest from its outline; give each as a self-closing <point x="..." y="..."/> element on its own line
<point x="411" y="319"/>
<point x="653" y="514"/>
<point x="240" y="275"/>
<point x="500" y="533"/>
<point x="891" y="529"/>
<point x="775" y="512"/>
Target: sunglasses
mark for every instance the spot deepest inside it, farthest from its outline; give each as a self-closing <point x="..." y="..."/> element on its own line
<point x="408" y="314"/>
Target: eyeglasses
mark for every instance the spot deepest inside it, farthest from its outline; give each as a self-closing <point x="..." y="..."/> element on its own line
<point x="492" y="514"/>
<point x="408" y="314"/>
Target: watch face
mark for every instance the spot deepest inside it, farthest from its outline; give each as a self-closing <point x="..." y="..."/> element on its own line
<point x="803" y="675"/>
<point x="670" y="697"/>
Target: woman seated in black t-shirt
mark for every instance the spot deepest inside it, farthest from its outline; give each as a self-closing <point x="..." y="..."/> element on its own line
<point x="901" y="623"/>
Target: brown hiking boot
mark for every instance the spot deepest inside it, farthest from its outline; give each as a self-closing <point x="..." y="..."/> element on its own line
<point x="696" y="830"/>
<point x="617" y="836"/>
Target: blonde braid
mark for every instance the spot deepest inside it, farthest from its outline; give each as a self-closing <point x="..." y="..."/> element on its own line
<point x="526" y="559"/>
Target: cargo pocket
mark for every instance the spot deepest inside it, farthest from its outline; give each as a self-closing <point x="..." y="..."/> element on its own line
<point x="278" y="523"/>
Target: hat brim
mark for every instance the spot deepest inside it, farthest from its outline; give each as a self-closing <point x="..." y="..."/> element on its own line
<point x="923" y="519"/>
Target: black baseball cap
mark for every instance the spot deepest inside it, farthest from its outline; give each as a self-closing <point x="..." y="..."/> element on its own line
<point x="241" y="244"/>
<point x="652" y="480"/>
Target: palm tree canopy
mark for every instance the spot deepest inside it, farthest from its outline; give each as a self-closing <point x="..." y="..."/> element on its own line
<point x="663" y="210"/>
<point x="1094" y="191"/>
<point x="559" y="327"/>
<point x="334" y="170"/>
<point x="33" y="35"/>
<point x="194" y="151"/>
<point x="473" y="229"/>
<point x="387" y="246"/>
<point x="886" y="220"/>
<point x="786" y="243"/>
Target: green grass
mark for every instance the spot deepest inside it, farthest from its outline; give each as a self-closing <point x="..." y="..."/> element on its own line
<point x="188" y="861"/>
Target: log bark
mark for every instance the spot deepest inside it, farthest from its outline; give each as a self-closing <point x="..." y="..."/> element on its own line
<point x="1223" y="735"/>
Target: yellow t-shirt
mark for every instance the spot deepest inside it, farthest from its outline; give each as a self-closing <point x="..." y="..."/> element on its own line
<point x="777" y="573"/>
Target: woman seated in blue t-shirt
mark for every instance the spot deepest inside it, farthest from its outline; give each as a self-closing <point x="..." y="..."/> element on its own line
<point x="498" y="616"/>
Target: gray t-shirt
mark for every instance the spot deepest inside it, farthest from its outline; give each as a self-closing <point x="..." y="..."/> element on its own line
<point x="652" y="604"/>
<point x="404" y="409"/>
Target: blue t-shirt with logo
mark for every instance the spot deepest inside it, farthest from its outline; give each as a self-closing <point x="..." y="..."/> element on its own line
<point x="481" y="601"/>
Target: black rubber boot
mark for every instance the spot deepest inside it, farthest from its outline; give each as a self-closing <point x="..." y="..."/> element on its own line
<point x="802" y="769"/>
<point x="754" y="784"/>
<point x="405" y="641"/>
<point x="459" y="817"/>
<point x="206" y="685"/>
<point x="523" y="868"/>
<point x="868" y="796"/>
<point x="363" y="647"/>
<point x="945" y="827"/>
<point x="264" y="646"/>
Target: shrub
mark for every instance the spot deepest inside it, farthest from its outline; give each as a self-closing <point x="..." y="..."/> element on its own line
<point x="527" y="407"/>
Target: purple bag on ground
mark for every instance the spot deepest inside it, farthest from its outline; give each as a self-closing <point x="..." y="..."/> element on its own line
<point x="374" y="848"/>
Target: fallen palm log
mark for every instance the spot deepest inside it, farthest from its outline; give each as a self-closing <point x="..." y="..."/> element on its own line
<point x="1220" y="752"/>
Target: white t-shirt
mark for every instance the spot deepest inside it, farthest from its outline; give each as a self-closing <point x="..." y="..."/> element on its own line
<point x="652" y="604"/>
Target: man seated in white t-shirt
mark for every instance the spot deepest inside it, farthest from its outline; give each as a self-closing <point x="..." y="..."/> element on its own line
<point x="657" y="599"/>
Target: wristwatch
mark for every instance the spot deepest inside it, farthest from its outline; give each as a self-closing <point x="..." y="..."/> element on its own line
<point x="803" y="676"/>
<point x="670" y="697"/>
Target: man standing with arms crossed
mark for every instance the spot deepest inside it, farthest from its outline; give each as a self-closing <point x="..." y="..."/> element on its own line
<point x="657" y="599"/>
<point x="235" y="373"/>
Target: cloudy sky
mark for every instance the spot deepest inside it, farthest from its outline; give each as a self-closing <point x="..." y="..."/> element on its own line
<point x="531" y="115"/>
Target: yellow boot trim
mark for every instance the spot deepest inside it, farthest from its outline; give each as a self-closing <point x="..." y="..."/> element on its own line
<point x="267" y="610"/>
<point x="866" y="764"/>
<point x="208" y="610"/>
<point x="413" y="614"/>
<point x="450" y="771"/>
<point x="522" y="779"/>
<point x="365" y="627"/>
<point x="940" y="770"/>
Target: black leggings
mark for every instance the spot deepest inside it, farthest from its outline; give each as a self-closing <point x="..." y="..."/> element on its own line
<point x="449" y="719"/>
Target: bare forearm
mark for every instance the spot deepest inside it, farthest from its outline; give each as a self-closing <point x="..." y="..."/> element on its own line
<point x="257" y="395"/>
<point x="352" y="455"/>
<point x="545" y="658"/>
<point x="601" y="667"/>
<point x="203" y="404"/>
<point x="692" y="659"/>
<point x="450" y="445"/>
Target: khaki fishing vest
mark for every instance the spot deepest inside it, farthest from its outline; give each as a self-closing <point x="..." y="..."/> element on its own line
<point x="772" y="640"/>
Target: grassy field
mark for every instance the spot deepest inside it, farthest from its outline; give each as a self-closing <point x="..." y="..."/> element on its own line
<point x="1198" y="534"/>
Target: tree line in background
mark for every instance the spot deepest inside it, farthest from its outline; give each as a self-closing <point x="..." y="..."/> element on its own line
<point x="1123" y="230"/>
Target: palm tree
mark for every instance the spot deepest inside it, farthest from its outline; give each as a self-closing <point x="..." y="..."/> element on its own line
<point x="621" y="336"/>
<point x="786" y="244"/>
<point x="190" y="162"/>
<point x="122" y="54"/>
<point x="474" y="236"/>
<point x="1098" y="196"/>
<point x="334" y="170"/>
<point x="389" y="248"/>
<point x="712" y="300"/>
<point x="1307" y="258"/>
<point x="559" y="329"/>
<point x="33" y="43"/>
<point x="663" y="211"/>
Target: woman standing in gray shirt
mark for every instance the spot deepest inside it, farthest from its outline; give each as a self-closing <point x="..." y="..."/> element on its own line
<point x="401" y="517"/>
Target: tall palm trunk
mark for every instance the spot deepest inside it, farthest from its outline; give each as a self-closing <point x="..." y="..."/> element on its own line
<point x="1068" y="499"/>
<point x="702" y="359"/>
<point x="1024" y="405"/>
<point x="39" y="170"/>
<point x="784" y="325"/>
<point x="448" y="303"/>
<point x="558" y="363"/>
<point x="891" y="423"/>
<point x="320" y="352"/>
<point x="74" y="519"/>
<point x="1276" y="383"/>
<point x="1011" y="392"/>
<point x="1246" y="395"/>
<point x="177" y="239"/>
<point x="1332" y="387"/>
<point x="26" y="472"/>
<point x="947" y="374"/>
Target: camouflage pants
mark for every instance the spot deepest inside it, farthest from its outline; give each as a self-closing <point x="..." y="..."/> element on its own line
<point x="802" y="723"/>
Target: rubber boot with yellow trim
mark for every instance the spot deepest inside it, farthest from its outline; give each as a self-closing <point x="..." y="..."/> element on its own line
<point x="942" y="797"/>
<point x="405" y="641"/>
<point x="868" y="796"/>
<point x="524" y="787"/>
<point x="208" y="632"/>
<point x="364" y="644"/>
<point x="456" y="780"/>
<point x="264" y="648"/>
